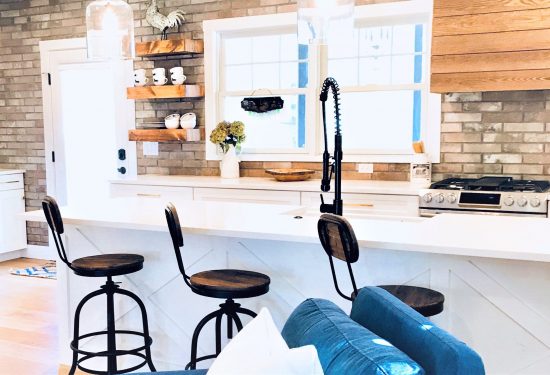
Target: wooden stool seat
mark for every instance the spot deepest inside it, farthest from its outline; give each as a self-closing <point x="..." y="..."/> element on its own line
<point x="427" y="302"/>
<point x="107" y="265"/>
<point x="230" y="283"/>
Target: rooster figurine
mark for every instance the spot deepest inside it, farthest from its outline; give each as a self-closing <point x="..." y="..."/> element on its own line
<point x="162" y="22"/>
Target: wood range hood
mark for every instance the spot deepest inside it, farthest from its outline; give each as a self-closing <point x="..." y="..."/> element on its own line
<point x="490" y="45"/>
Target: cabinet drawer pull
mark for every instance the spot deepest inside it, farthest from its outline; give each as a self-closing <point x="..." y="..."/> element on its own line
<point x="359" y="204"/>
<point x="148" y="195"/>
<point x="10" y="182"/>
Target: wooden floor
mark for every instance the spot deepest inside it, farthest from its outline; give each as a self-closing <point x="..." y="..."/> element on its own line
<point x="28" y="332"/>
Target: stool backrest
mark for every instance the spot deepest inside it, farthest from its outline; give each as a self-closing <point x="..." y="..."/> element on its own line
<point x="338" y="240"/>
<point x="55" y="222"/>
<point x="174" y="227"/>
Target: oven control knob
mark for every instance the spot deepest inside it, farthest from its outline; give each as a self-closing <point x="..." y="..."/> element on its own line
<point x="535" y="202"/>
<point x="427" y="198"/>
<point x="522" y="202"/>
<point x="451" y="198"/>
<point x="440" y="198"/>
<point x="509" y="201"/>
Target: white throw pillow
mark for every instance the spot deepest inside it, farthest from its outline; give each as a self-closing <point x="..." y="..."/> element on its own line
<point x="259" y="349"/>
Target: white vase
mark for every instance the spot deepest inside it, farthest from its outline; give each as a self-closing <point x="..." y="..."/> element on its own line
<point x="229" y="165"/>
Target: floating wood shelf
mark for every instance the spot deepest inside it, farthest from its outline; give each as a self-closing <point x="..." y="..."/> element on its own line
<point x="165" y="92"/>
<point x="169" y="47"/>
<point x="166" y="135"/>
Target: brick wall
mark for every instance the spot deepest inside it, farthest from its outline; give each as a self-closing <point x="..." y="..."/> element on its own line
<point x="495" y="133"/>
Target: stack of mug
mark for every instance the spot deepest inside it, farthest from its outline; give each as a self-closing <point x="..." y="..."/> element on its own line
<point x="159" y="76"/>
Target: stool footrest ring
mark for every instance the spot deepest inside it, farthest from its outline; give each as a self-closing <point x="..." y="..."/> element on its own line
<point x="123" y="371"/>
<point x="119" y="352"/>
<point x="203" y="358"/>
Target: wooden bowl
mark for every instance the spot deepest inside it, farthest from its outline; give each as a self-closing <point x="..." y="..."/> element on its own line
<point x="288" y="174"/>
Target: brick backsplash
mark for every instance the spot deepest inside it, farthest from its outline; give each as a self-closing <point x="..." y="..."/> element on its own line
<point x="495" y="133"/>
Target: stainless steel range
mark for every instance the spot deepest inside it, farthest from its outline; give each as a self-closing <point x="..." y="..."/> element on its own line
<point x="486" y="195"/>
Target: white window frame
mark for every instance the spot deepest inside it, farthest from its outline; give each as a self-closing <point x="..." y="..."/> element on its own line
<point x="377" y="14"/>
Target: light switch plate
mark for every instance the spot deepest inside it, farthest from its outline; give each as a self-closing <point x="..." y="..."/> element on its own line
<point x="365" y="168"/>
<point x="150" y="148"/>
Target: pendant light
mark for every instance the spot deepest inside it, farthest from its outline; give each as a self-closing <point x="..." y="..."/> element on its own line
<point x="319" y="19"/>
<point x="110" y="30"/>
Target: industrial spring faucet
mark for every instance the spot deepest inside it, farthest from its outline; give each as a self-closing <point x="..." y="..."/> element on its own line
<point x="334" y="166"/>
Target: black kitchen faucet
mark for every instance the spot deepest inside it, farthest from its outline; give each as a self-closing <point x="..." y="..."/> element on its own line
<point x="334" y="166"/>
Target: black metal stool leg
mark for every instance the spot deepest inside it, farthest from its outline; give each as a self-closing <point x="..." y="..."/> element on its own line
<point x="76" y="327"/>
<point x="230" y="326"/>
<point x="219" y="333"/>
<point x="248" y="312"/>
<point x="111" y="329"/>
<point x="147" y="339"/>
<point x="238" y="322"/>
<point x="194" y="341"/>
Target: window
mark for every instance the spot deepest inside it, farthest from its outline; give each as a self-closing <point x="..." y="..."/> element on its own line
<point x="382" y="72"/>
<point x="265" y="65"/>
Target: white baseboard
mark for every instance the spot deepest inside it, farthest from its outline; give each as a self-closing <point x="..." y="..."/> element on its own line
<point x="12" y="255"/>
<point x="39" y="252"/>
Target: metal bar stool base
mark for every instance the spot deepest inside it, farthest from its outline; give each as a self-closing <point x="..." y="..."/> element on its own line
<point x="230" y="310"/>
<point x="110" y="288"/>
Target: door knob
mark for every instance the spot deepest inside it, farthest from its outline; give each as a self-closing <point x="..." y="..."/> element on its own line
<point x="122" y="170"/>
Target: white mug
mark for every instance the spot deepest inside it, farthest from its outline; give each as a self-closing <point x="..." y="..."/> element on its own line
<point x="139" y="78"/>
<point x="177" y="71"/>
<point x="188" y="120"/>
<point x="160" y="81"/>
<point x="178" y="80"/>
<point x="172" y="121"/>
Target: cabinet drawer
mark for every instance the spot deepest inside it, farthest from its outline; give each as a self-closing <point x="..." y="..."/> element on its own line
<point x="374" y="204"/>
<point x="164" y="193"/>
<point x="11" y="182"/>
<point x="248" y="196"/>
<point x="13" y="235"/>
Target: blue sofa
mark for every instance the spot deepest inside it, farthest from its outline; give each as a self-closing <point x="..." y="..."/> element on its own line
<point x="382" y="336"/>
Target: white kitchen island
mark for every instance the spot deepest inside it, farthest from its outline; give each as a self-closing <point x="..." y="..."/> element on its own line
<point x="494" y="271"/>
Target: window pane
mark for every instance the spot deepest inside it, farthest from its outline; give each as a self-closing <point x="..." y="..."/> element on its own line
<point x="267" y="62"/>
<point x="404" y="37"/>
<point x="265" y="76"/>
<point x="238" y="77"/>
<point x="283" y="129"/>
<point x="289" y="47"/>
<point x="344" y="71"/>
<point x="375" y="70"/>
<point x="403" y="69"/>
<point x="375" y="41"/>
<point x="266" y="48"/>
<point x="238" y="51"/>
<point x="380" y="120"/>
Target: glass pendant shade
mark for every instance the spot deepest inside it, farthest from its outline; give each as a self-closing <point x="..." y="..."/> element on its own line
<point x="319" y="19"/>
<point x="110" y="30"/>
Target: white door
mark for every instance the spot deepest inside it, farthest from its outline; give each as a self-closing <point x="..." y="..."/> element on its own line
<point x="86" y="122"/>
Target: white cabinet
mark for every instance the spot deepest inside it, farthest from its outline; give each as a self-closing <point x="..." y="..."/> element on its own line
<point x="13" y="234"/>
<point x="164" y="193"/>
<point x="248" y="196"/>
<point x="371" y="204"/>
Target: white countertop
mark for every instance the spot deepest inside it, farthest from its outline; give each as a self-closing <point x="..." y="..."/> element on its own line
<point x="261" y="183"/>
<point x="502" y="237"/>
<point x="11" y="171"/>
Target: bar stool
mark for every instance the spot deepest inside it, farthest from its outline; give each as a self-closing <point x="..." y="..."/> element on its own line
<point x="338" y="240"/>
<point x="108" y="265"/>
<point x="227" y="284"/>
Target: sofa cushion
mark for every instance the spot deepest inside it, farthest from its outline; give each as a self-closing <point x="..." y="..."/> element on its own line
<point x="435" y="350"/>
<point x="344" y="346"/>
